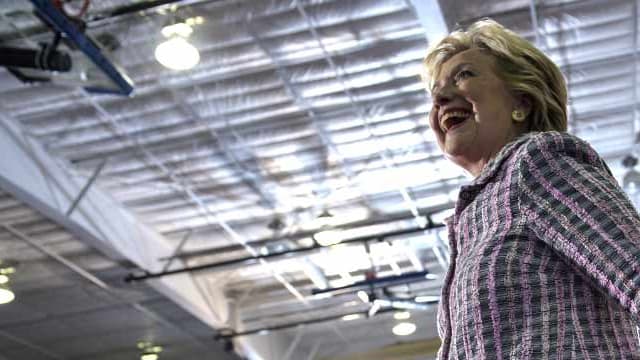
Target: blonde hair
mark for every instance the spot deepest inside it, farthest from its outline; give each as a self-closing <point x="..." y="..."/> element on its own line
<point x="526" y="70"/>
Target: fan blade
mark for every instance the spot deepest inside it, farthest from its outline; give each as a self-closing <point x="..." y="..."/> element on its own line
<point x="375" y="308"/>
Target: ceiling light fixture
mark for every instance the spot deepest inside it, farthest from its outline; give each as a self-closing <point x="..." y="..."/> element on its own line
<point x="177" y="53"/>
<point x="197" y="20"/>
<point x="180" y="29"/>
<point x="321" y="296"/>
<point x="328" y="237"/>
<point x="149" y="351"/>
<point x="402" y="315"/>
<point x="427" y="298"/>
<point x="6" y="295"/>
<point x="351" y="317"/>
<point x="404" y="329"/>
<point x="363" y="296"/>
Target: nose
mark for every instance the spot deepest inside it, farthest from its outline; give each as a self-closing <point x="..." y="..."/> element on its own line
<point x="443" y="95"/>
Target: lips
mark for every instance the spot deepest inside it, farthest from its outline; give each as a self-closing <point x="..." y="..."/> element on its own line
<point x="453" y="118"/>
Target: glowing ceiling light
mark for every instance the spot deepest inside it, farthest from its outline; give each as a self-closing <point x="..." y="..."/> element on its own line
<point x="149" y="351"/>
<point x="177" y="54"/>
<point x="197" y="20"/>
<point x="320" y="296"/>
<point x="180" y="29"/>
<point x="7" y="270"/>
<point x="4" y="279"/>
<point x="402" y="315"/>
<point x="404" y="329"/>
<point x="351" y="317"/>
<point x="363" y="296"/>
<point x="427" y="298"/>
<point x="328" y="237"/>
<point x="6" y="295"/>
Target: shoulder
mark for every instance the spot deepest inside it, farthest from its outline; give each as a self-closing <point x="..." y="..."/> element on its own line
<point x="539" y="149"/>
<point x="553" y="144"/>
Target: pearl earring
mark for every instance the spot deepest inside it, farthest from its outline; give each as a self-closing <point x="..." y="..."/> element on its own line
<point x="518" y="115"/>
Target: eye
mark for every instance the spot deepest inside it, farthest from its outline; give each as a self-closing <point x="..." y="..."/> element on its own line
<point x="463" y="74"/>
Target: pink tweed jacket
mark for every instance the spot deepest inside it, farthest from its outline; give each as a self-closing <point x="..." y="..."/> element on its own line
<point x="545" y="258"/>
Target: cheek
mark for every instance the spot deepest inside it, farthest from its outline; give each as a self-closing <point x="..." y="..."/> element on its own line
<point x="485" y="107"/>
<point x="432" y="119"/>
<point x="433" y="123"/>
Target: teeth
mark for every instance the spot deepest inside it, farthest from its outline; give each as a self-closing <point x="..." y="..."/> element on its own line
<point x="452" y="114"/>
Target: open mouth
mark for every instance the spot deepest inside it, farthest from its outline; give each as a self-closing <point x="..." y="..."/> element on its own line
<point x="454" y="119"/>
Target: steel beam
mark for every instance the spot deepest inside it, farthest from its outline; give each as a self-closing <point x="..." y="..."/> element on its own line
<point x="94" y="280"/>
<point x="46" y="10"/>
<point x="431" y="17"/>
<point x="33" y="177"/>
<point x="86" y="187"/>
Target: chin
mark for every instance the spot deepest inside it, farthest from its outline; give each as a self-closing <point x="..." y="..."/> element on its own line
<point x="455" y="150"/>
<point x="460" y="155"/>
<point x="456" y="159"/>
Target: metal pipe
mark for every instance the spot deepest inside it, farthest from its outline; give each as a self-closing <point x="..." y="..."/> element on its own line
<point x="376" y="283"/>
<point x="304" y="234"/>
<point x="140" y="7"/>
<point x="42" y="59"/>
<point x="132" y="8"/>
<point x="49" y="14"/>
<point x="257" y="258"/>
<point x="266" y="329"/>
<point x="94" y="20"/>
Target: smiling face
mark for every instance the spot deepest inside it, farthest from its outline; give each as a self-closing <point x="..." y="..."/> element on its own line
<point x="472" y="110"/>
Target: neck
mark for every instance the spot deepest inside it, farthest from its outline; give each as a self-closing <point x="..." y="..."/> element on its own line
<point x="475" y="166"/>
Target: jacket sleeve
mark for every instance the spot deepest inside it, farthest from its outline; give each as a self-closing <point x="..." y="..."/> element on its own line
<point x="571" y="201"/>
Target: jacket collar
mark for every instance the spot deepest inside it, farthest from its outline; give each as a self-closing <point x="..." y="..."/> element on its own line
<point x="492" y="167"/>
<point x="469" y="192"/>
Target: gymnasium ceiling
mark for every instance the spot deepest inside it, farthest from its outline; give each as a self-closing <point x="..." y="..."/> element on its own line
<point x="304" y="119"/>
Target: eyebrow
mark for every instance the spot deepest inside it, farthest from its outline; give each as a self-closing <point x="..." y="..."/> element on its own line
<point x="453" y="71"/>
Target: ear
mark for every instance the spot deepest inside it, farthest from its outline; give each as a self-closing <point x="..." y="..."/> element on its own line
<point x="524" y="103"/>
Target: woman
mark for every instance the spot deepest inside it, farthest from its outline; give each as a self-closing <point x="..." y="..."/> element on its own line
<point x="545" y="246"/>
